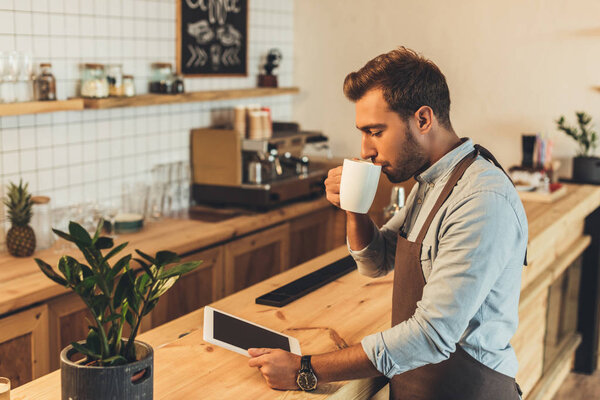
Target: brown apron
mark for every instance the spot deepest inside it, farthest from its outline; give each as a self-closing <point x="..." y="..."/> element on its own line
<point x="460" y="377"/>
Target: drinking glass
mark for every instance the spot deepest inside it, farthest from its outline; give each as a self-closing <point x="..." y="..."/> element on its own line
<point x="185" y="183"/>
<point x="111" y="209"/>
<point x="3" y="68"/>
<point x="24" y="82"/>
<point x="10" y="76"/>
<point x="4" y="388"/>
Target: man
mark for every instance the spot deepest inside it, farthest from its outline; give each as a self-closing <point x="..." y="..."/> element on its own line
<point x="457" y="249"/>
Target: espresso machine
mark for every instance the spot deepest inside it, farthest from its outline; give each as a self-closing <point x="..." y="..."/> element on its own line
<point x="255" y="173"/>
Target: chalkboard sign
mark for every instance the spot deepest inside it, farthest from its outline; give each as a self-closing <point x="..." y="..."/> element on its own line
<point x="212" y="37"/>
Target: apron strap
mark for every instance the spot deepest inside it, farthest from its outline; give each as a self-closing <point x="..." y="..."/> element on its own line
<point x="490" y="157"/>
<point x="457" y="173"/>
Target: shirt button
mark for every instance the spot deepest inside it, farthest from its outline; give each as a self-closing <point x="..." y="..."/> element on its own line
<point x="431" y="185"/>
<point x="419" y="201"/>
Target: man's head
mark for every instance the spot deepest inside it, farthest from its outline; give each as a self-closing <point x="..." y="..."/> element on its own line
<point x="401" y="98"/>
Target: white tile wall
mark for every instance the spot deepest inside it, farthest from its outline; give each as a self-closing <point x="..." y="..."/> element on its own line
<point x="87" y="155"/>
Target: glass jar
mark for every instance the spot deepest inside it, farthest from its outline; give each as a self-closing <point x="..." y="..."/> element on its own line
<point x="41" y="222"/>
<point x="45" y="83"/>
<point x="114" y="75"/>
<point x="93" y="81"/>
<point x="177" y="86"/>
<point x="161" y="78"/>
<point x="128" y="86"/>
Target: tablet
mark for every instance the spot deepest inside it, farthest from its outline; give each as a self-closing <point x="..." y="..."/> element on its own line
<point x="237" y="334"/>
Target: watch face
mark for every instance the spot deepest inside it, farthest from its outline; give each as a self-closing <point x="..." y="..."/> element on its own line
<point x="307" y="381"/>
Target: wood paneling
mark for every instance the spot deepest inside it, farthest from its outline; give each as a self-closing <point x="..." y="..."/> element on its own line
<point x="24" y="345"/>
<point x="256" y="257"/>
<point x="194" y="290"/>
<point x="309" y="236"/>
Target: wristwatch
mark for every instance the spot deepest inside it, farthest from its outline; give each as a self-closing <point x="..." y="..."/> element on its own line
<point x="306" y="379"/>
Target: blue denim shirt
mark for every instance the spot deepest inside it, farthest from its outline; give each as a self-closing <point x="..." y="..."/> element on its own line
<point x="472" y="259"/>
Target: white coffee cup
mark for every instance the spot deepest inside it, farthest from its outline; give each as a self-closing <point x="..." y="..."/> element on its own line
<point x="358" y="185"/>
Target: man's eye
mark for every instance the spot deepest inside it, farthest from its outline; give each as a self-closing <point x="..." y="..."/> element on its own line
<point x="375" y="134"/>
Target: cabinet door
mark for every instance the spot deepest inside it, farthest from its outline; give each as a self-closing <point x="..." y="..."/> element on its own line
<point x="69" y="322"/>
<point x="24" y="345"/>
<point x="193" y="290"/>
<point x="309" y="235"/>
<point x="256" y="257"/>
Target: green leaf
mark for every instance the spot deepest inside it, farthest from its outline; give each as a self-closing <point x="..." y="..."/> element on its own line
<point x="85" y="351"/>
<point x="71" y="269"/>
<point x="166" y="257"/>
<point x="180" y="269"/>
<point x="115" y="360"/>
<point x="141" y="283"/>
<point x="149" y="307"/>
<point x="120" y="292"/>
<point x="64" y="235"/>
<point x="50" y="273"/>
<point x="79" y="233"/>
<point x="103" y="242"/>
<point x="112" y="317"/>
<point x="130" y="318"/>
<point x="118" y="267"/>
<point x="149" y="269"/>
<point x="115" y="251"/>
<point x="163" y="286"/>
<point x="93" y="341"/>
<point x="98" y="230"/>
<point x="146" y="256"/>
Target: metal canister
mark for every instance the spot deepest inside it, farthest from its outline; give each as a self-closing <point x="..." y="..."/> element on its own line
<point x="255" y="172"/>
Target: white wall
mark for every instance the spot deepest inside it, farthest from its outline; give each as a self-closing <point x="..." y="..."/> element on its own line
<point x="86" y="155"/>
<point x="512" y="66"/>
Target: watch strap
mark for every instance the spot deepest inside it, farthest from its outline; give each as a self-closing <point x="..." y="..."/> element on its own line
<point x="305" y="363"/>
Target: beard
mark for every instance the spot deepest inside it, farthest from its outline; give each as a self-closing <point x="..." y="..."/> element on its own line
<point x="410" y="161"/>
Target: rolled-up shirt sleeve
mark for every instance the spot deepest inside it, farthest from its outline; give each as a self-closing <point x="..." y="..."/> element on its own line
<point x="475" y="237"/>
<point x="377" y="258"/>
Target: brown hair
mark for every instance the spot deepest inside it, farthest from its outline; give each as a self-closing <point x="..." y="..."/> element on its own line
<point x="408" y="80"/>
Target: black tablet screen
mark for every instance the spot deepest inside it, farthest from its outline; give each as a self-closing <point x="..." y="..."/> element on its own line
<point x="241" y="334"/>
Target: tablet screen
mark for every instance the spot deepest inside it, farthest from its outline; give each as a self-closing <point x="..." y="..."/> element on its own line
<point x="239" y="333"/>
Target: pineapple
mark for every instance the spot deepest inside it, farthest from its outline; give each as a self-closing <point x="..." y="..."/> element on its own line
<point x="20" y="238"/>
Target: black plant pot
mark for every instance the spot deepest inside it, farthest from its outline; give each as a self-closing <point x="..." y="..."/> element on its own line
<point x="81" y="382"/>
<point x="586" y="169"/>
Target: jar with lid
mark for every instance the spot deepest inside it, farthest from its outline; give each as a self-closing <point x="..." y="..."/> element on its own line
<point x="114" y="75"/>
<point x="93" y="81"/>
<point x="41" y="222"/>
<point x="45" y="83"/>
<point x="128" y="86"/>
<point x="161" y="78"/>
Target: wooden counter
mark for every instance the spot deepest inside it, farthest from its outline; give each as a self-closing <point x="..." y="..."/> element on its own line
<point x="343" y="312"/>
<point x="22" y="284"/>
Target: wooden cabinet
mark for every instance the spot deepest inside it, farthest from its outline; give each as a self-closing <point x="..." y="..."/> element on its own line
<point x="24" y="345"/>
<point x="309" y="236"/>
<point x="68" y="321"/>
<point x="256" y="257"/>
<point x="193" y="290"/>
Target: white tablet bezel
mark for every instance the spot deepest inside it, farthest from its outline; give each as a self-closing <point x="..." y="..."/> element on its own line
<point x="209" y="333"/>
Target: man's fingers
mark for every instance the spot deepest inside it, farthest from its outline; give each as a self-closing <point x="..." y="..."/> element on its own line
<point x="255" y="352"/>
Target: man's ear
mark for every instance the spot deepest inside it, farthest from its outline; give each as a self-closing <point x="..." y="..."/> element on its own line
<point x="424" y="117"/>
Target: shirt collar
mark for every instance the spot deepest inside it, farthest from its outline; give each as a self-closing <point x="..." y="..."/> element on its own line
<point x="447" y="163"/>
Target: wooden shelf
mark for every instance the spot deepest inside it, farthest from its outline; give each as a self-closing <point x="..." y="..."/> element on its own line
<point x="209" y="95"/>
<point x="37" y="107"/>
<point x="75" y="104"/>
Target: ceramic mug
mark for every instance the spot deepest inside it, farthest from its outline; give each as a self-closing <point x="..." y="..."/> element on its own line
<point x="358" y="185"/>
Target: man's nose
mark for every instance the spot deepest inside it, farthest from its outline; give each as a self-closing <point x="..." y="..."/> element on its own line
<point x="367" y="150"/>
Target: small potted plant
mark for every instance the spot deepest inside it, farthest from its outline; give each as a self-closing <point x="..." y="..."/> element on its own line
<point x="113" y="367"/>
<point x="586" y="167"/>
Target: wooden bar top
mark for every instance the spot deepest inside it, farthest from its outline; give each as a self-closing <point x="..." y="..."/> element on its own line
<point x="335" y="316"/>
<point x="22" y="283"/>
<point x="332" y="317"/>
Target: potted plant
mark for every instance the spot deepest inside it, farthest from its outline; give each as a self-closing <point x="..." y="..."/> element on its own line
<point x="113" y="367"/>
<point x="586" y="167"/>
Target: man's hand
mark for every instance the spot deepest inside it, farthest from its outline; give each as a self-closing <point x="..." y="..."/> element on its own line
<point x="278" y="367"/>
<point x="332" y="185"/>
